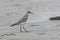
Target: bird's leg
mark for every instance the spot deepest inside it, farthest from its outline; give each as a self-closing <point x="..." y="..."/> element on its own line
<point x="25" y="29"/>
<point x="20" y="28"/>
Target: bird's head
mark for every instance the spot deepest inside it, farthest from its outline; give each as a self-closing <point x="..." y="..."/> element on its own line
<point x="29" y="12"/>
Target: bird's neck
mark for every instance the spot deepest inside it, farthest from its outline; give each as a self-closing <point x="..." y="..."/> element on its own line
<point x="26" y="15"/>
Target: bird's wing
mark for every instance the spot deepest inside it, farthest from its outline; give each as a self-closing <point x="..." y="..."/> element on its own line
<point x="17" y="23"/>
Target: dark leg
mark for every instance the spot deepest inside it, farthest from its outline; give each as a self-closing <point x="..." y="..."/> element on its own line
<point x="21" y="29"/>
<point x="25" y="29"/>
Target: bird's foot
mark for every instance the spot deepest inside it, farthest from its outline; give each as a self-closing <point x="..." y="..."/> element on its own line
<point x="21" y="31"/>
<point x="26" y="31"/>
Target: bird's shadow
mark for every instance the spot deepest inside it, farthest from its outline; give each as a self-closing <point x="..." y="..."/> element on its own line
<point x="8" y="34"/>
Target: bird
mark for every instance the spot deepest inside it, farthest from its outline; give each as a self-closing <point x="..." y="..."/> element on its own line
<point x="22" y="20"/>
